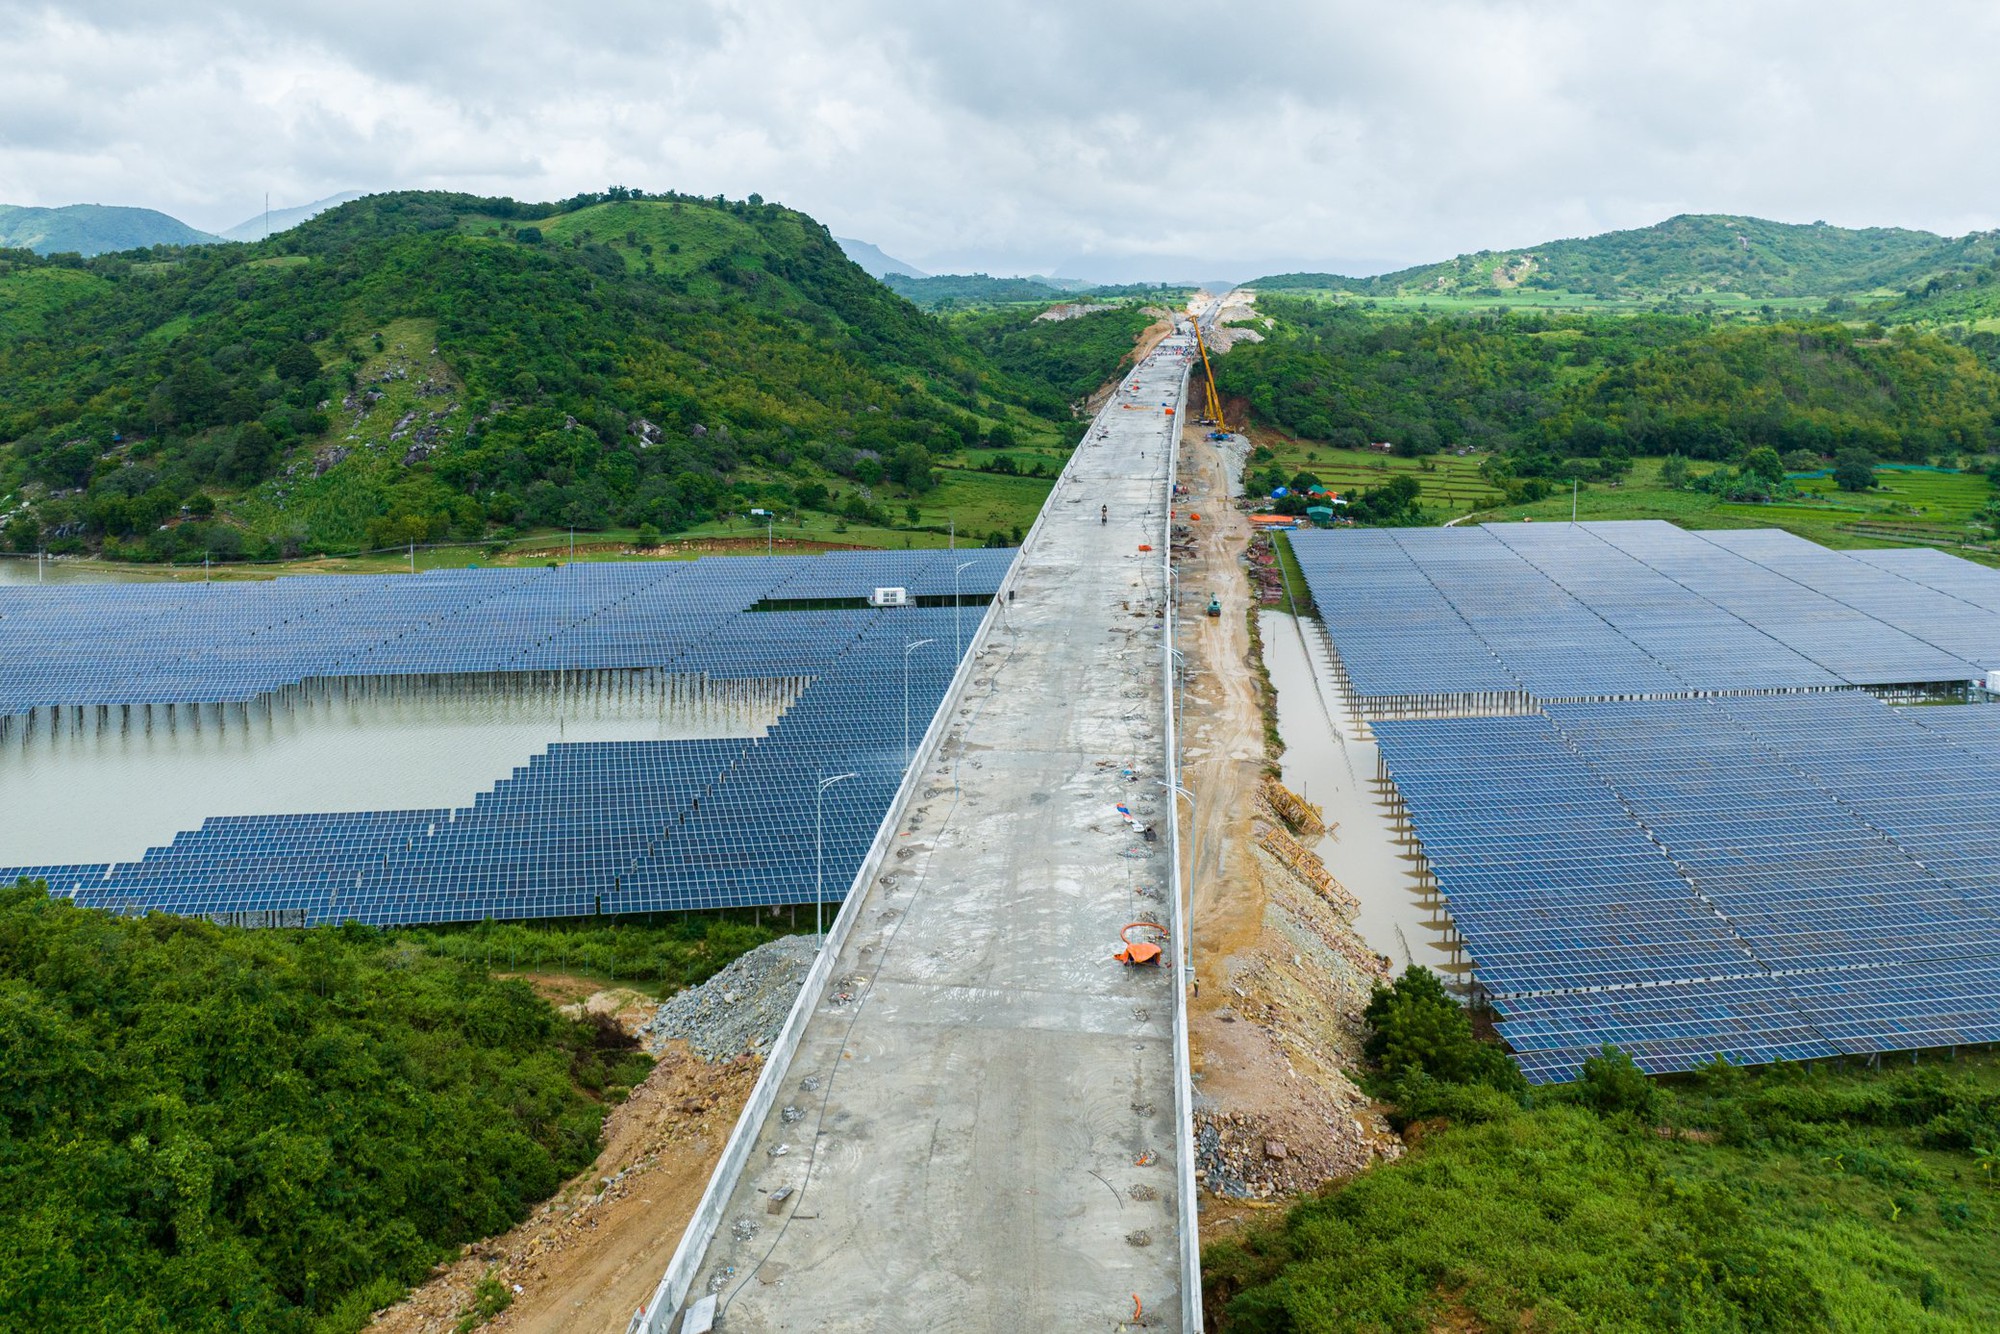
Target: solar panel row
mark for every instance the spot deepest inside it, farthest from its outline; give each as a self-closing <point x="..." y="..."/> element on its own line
<point x="612" y="827"/>
<point x="86" y="645"/>
<point x="1763" y="877"/>
<point x="1642" y="608"/>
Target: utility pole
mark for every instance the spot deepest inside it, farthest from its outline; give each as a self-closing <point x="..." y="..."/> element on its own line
<point x="958" y="635"/>
<point x="819" y="853"/>
<point x="907" y="648"/>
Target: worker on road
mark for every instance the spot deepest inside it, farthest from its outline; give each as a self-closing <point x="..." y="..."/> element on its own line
<point x="1104" y="514"/>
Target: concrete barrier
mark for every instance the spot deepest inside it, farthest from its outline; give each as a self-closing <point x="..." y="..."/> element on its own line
<point x="1188" y="1202"/>
<point x="657" y="1315"/>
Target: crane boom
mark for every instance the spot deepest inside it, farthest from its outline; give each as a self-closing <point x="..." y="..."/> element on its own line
<point x="1214" y="399"/>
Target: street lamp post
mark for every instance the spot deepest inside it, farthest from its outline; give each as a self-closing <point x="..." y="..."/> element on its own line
<point x="907" y="650"/>
<point x="958" y="636"/>
<point x="819" y="852"/>
<point x="1194" y="864"/>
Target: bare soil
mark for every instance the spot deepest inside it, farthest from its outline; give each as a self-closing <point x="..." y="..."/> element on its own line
<point x="1282" y="975"/>
<point x="588" y="1258"/>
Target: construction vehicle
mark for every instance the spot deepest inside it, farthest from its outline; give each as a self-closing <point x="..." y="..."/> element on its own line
<point x="1138" y="952"/>
<point x="1214" y="409"/>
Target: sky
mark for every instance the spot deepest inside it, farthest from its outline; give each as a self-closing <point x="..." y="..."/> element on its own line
<point x="1107" y="139"/>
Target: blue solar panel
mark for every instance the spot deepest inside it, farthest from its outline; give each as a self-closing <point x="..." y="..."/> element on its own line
<point x="611" y="827"/>
<point x="1634" y="610"/>
<point x="1765" y="877"/>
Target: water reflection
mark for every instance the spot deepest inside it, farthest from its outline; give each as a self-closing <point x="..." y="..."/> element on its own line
<point x="1325" y="763"/>
<point x="108" y="794"/>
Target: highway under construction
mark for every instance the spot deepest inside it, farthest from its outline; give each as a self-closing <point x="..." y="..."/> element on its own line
<point x="977" y="1119"/>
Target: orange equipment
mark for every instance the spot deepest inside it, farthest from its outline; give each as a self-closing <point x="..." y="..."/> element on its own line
<point x="1214" y="400"/>
<point x="1140" y="951"/>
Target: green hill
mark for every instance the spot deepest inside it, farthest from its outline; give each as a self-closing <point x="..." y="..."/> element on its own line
<point x="1611" y="386"/>
<point x="418" y="366"/>
<point x="1686" y="255"/>
<point x="92" y="229"/>
<point x="1955" y="296"/>
<point x="947" y="290"/>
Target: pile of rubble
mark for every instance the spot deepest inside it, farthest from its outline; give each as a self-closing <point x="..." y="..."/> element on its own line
<point x="1243" y="1156"/>
<point x="1265" y="576"/>
<point x="741" y="1008"/>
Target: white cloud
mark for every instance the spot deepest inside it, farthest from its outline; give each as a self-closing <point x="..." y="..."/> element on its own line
<point x="1125" y="138"/>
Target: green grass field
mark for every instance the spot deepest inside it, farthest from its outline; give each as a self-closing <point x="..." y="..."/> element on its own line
<point x="1905" y="509"/>
<point x="1451" y="483"/>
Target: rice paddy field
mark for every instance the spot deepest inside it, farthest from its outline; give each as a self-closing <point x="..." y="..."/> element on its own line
<point x="1451" y="483"/>
<point x="1909" y="506"/>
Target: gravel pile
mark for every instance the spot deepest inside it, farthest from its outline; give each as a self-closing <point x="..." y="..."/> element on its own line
<point x="741" y="1008"/>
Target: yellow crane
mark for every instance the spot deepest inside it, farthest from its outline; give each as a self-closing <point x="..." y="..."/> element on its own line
<point x="1214" y="400"/>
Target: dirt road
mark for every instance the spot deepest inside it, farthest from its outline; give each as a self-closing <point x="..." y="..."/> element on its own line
<point x="586" y="1259"/>
<point x="1276" y="1027"/>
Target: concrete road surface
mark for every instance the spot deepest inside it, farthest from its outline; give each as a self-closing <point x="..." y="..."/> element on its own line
<point x="977" y="1132"/>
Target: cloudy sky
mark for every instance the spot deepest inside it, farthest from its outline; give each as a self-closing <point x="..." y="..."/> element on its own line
<point x="1097" y="138"/>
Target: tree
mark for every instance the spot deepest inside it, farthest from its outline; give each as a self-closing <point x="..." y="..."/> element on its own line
<point x="1854" y="470"/>
<point x="1415" y="1027"/>
<point x="1674" y="471"/>
<point x="1763" y="464"/>
<point x="1614" y="1085"/>
<point x="910" y="468"/>
<point x="297" y="363"/>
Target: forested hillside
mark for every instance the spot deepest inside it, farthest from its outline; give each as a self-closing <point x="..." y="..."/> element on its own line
<point x="415" y="366"/>
<point x="92" y="229"/>
<point x="1609" y="386"/>
<point x="1068" y="355"/>
<point x="211" y="1129"/>
<point x="947" y="290"/>
<point x="1685" y="255"/>
<point x="1966" y="295"/>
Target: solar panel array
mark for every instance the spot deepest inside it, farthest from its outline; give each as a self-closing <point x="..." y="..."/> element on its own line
<point x="1638" y="609"/>
<point x="1763" y="877"/>
<point x="212" y="643"/>
<point x="611" y="827"/>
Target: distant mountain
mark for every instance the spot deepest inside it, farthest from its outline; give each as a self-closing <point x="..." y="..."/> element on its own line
<point x="875" y="262"/>
<point x="284" y="219"/>
<point x="1685" y="255"/>
<point x="970" y="289"/>
<point x="92" y="229"/>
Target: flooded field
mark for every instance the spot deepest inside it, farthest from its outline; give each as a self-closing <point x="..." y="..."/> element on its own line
<point x="109" y="794"/>
<point x="1325" y="763"/>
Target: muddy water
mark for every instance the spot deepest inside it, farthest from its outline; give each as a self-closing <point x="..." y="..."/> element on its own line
<point x="109" y="795"/>
<point x="101" y="796"/>
<point x="28" y="570"/>
<point x="1328" y="765"/>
